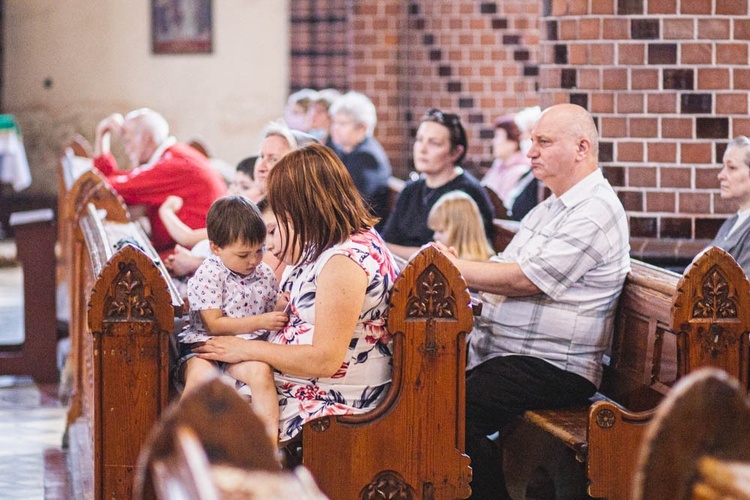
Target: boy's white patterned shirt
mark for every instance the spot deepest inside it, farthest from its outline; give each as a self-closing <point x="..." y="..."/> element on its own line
<point x="214" y="286"/>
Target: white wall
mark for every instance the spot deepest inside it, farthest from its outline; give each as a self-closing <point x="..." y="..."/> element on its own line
<point x="97" y="55"/>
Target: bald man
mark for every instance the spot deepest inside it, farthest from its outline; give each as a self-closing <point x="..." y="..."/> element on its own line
<point x="549" y="298"/>
<point x="160" y="167"/>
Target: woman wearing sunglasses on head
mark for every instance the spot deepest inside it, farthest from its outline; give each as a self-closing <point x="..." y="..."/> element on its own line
<point x="439" y="146"/>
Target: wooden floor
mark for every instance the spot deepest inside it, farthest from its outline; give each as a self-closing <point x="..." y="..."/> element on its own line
<point x="32" y="419"/>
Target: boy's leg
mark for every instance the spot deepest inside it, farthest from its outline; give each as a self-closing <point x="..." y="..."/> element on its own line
<point x="196" y="371"/>
<point x="259" y="377"/>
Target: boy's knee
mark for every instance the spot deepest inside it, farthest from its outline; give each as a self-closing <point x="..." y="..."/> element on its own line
<point x="249" y="368"/>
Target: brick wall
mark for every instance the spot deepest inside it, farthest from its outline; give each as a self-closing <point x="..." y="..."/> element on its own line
<point x="320" y="45"/>
<point x="475" y="58"/>
<point x="667" y="82"/>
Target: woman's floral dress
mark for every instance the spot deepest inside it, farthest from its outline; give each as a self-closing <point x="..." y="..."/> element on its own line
<point x="364" y="377"/>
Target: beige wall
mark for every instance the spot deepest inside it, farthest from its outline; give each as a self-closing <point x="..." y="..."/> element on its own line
<point x="97" y="56"/>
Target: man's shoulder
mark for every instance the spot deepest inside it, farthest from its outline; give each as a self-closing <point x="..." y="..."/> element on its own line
<point x="184" y="153"/>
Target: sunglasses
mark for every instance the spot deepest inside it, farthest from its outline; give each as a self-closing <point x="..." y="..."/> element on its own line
<point x="445" y="119"/>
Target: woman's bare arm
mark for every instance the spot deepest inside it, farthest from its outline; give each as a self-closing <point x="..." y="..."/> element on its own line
<point x="341" y="292"/>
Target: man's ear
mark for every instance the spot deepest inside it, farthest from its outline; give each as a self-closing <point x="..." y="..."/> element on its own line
<point x="583" y="148"/>
<point x="457" y="152"/>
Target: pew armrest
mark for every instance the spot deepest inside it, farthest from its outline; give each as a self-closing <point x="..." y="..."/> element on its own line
<point x="614" y="437"/>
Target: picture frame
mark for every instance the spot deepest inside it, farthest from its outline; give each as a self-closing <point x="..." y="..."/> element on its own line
<point x="181" y="26"/>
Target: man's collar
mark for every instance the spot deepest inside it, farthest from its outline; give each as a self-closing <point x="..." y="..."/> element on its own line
<point x="168" y="142"/>
<point x="582" y="189"/>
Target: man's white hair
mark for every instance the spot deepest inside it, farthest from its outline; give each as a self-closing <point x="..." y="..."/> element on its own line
<point x="150" y="122"/>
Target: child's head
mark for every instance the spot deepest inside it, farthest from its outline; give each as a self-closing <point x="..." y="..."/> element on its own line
<point x="237" y="233"/>
<point x="265" y="211"/>
<point x="457" y="223"/>
<point x="243" y="177"/>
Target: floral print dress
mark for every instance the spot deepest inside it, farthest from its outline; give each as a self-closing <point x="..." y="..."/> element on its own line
<point x="365" y="375"/>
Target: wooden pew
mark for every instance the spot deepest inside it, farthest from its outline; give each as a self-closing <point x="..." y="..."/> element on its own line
<point x="122" y="312"/>
<point x="74" y="152"/>
<point x="411" y="445"/>
<point x="698" y="445"/>
<point x="500" y="211"/>
<point x="395" y="186"/>
<point x="666" y="326"/>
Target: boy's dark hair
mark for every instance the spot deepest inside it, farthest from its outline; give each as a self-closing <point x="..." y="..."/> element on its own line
<point x="263" y="204"/>
<point x="235" y="218"/>
<point x="247" y="166"/>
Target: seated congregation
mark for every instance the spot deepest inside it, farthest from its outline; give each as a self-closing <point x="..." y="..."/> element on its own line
<point x="367" y="362"/>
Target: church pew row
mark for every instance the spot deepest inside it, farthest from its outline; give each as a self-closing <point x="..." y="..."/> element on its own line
<point x="412" y="444"/>
<point x="666" y="326"/>
<point x="123" y="306"/>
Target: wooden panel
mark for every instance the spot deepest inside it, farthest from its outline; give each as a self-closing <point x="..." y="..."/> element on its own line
<point x="711" y="313"/>
<point x="37" y="355"/>
<point x="130" y="318"/>
<point x="614" y="435"/>
<point x="122" y="313"/>
<point x="413" y="443"/>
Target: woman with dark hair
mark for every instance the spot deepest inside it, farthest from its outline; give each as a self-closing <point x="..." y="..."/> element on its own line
<point x="439" y="147"/>
<point x="333" y="357"/>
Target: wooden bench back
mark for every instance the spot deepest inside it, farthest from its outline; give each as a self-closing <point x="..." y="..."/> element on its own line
<point x="209" y="445"/>
<point x="412" y="443"/>
<point x="67" y="174"/>
<point x="123" y="306"/>
<point x="711" y="314"/>
<point x="667" y="326"/>
<point x="643" y="357"/>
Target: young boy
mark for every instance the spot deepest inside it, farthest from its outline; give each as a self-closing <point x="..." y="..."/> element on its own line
<point x="234" y="293"/>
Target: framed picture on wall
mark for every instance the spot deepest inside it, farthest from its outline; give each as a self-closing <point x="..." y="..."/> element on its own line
<point x="181" y="26"/>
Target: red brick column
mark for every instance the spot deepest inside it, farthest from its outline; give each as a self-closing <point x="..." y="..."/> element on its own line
<point x="667" y="82"/>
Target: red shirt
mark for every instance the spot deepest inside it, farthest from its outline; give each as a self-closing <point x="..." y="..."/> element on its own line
<point x="181" y="171"/>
